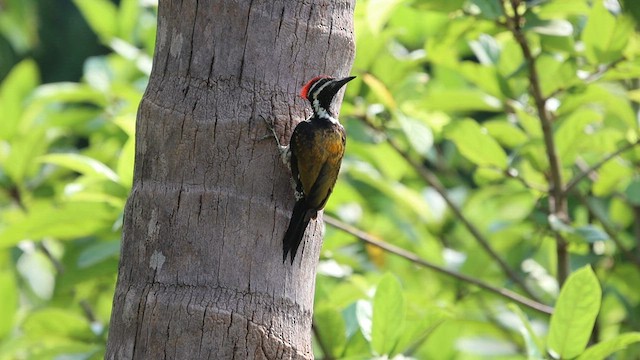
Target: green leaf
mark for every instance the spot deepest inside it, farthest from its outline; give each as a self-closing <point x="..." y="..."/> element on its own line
<point x="633" y="193"/>
<point x="14" y="90"/>
<point x="620" y="213"/>
<point x="128" y="18"/>
<point x="605" y="36"/>
<point x="58" y="322"/>
<point x="489" y="9"/>
<point x="101" y="16"/>
<point x="380" y="90"/>
<point x="572" y="134"/>
<point x="591" y="234"/>
<point x="378" y="12"/>
<point x="125" y="163"/>
<point x="531" y="340"/>
<point x="554" y="27"/>
<point x="63" y="221"/>
<point x="486" y="49"/>
<point x="8" y="301"/>
<point x="606" y="348"/>
<point x="38" y="272"/>
<point x="461" y="100"/>
<point x="331" y="329"/>
<point x="612" y="176"/>
<point x="555" y="73"/>
<point x="419" y="135"/>
<point x="82" y="164"/>
<point x="485" y="78"/>
<point x="419" y="326"/>
<point x="68" y="93"/>
<point x="21" y="164"/>
<point x="98" y="253"/>
<point x="574" y="315"/>
<point x="363" y="316"/>
<point x="475" y="144"/>
<point x="507" y="134"/>
<point x="388" y="315"/>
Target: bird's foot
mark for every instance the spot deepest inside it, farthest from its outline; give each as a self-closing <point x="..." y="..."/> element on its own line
<point x="285" y="154"/>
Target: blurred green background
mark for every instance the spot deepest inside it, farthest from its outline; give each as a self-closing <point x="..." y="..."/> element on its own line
<point x="443" y="92"/>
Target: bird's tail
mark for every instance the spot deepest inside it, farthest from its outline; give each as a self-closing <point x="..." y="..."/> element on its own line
<point x="298" y="224"/>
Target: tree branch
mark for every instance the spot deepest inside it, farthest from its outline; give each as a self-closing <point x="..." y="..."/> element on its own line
<point x="597" y="165"/>
<point x="433" y="181"/>
<point x="592" y="77"/>
<point x="557" y="200"/>
<point x="613" y="234"/>
<point x="371" y="240"/>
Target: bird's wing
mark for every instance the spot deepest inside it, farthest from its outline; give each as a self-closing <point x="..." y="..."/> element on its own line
<point x="306" y="160"/>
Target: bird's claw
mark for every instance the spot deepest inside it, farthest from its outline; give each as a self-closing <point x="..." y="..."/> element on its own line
<point x="285" y="155"/>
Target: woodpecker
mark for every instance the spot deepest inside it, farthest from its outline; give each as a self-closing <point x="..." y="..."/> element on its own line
<point x="314" y="155"/>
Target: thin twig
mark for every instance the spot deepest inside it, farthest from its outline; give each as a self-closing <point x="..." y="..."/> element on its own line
<point x="557" y="200"/>
<point x="54" y="261"/>
<point x="597" y="165"/>
<point x="433" y="181"/>
<point x="594" y="76"/>
<point x="371" y="240"/>
<point x="512" y="173"/>
<point x="613" y="234"/>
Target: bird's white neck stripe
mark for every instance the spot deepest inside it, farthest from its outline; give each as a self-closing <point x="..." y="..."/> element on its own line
<point x="323" y="113"/>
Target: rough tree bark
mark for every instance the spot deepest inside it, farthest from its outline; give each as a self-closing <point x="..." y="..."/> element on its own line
<point x="201" y="273"/>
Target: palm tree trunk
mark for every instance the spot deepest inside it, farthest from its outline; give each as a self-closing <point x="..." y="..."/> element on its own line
<point x="201" y="273"/>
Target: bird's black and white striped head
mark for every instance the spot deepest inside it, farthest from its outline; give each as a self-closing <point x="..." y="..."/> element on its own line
<point x="320" y="92"/>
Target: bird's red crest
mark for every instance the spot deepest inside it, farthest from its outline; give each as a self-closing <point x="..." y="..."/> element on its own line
<point x="305" y="89"/>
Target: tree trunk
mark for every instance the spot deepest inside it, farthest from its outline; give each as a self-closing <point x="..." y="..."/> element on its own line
<point x="201" y="274"/>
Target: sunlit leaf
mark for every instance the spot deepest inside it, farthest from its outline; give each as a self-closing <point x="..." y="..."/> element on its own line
<point x="101" y="16"/>
<point x="381" y="91"/>
<point x="476" y="144"/>
<point x="59" y="322"/>
<point x="14" y="90"/>
<point x="68" y="92"/>
<point x="605" y="35"/>
<point x="82" y="164"/>
<point x="364" y="313"/>
<point x="606" y="348"/>
<point x="331" y="328"/>
<point x="8" y="301"/>
<point x="418" y="134"/>
<point x="574" y="314"/>
<point x="21" y="162"/>
<point x="535" y="349"/>
<point x="378" y="12"/>
<point x="461" y="100"/>
<point x="38" y="271"/>
<point x="486" y="49"/>
<point x="388" y="315"/>
<point x="507" y="134"/>
<point x="61" y="221"/>
<point x="613" y="175"/>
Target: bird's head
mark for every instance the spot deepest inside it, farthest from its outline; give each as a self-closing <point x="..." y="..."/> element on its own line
<point x="321" y="90"/>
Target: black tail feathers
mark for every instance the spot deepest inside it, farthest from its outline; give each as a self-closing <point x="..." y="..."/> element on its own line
<point x="298" y="224"/>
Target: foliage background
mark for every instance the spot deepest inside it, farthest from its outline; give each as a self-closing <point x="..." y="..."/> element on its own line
<point x="443" y="117"/>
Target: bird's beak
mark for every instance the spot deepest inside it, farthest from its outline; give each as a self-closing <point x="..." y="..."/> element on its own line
<point x="342" y="82"/>
<point x="337" y="84"/>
